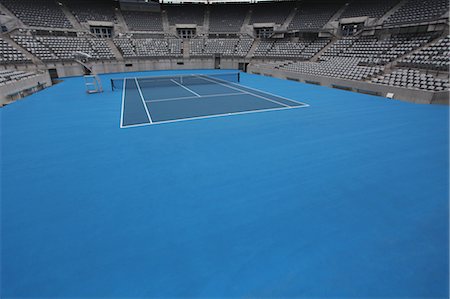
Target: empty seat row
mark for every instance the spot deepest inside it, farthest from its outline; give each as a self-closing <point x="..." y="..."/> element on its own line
<point x="413" y="79"/>
<point x="149" y="47"/>
<point x="42" y="13"/>
<point x="10" y="55"/>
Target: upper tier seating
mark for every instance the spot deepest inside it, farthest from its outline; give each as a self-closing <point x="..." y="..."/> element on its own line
<point x="143" y="21"/>
<point x="413" y="79"/>
<point x="312" y="16"/>
<point x="224" y="46"/>
<point x="226" y="19"/>
<point x="434" y="57"/>
<point x="9" y="54"/>
<point x="418" y="11"/>
<point x="98" y="10"/>
<point x="185" y="14"/>
<point x="49" y="48"/>
<point x="371" y="50"/>
<point x="368" y="8"/>
<point x="271" y="12"/>
<point x="149" y="47"/>
<point x="303" y="49"/>
<point x="42" y="13"/>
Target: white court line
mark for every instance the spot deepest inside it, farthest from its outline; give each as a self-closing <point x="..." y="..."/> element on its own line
<point x="272" y="94"/>
<point x="188" y="89"/>
<point x="204" y="96"/>
<point x="244" y="91"/>
<point x="143" y="101"/>
<point x="212" y="116"/>
<point x="123" y="103"/>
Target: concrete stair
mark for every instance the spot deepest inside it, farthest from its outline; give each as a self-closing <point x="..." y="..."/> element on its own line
<point x="186" y="49"/>
<point x="76" y="25"/>
<point x="289" y="19"/>
<point x="121" y="26"/>
<point x="114" y="49"/>
<point x="391" y="12"/>
<point x="206" y="21"/>
<point x="165" y="21"/>
<point x="253" y="49"/>
<point x="330" y="44"/>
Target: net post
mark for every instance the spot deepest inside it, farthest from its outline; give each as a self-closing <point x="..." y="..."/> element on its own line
<point x="112" y="84"/>
<point x="239" y="77"/>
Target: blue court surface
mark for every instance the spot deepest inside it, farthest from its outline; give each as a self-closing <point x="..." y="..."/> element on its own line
<point x="346" y="198"/>
<point x="155" y="100"/>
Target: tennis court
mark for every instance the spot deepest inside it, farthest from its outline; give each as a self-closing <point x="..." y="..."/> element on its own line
<point x="155" y="100"/>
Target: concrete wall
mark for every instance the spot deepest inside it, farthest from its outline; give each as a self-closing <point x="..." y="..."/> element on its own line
<point x="18" y="89"/>
<point x="69" y="69"/>
<point x="405" y="94"/>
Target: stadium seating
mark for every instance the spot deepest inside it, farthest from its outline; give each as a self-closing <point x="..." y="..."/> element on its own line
<point x="434" y="57"/>
<point x="99" y="10"/>
<point x="413" y="79"/>
<point x="149" y="47"/>
<point x="185" y="14"/>
<point x="418" y="11"/>
<point x="373" y="50"/>
<point x="271" y="12"/>
<point x="49" y="48"/>
<point x="9" y="54"/>
<point x="313" y="16"/>
<point x="143" y="21"/>
<point x="224" y="46"/>
<point x="379" y="54"/>
<point x="224" y="19"/>
<point x="303" y="49"/>
<point x="368" y="8"/>
<point x="339" y="67"/>
<point x="8" y="76"/>
<point x="42" y="13"/>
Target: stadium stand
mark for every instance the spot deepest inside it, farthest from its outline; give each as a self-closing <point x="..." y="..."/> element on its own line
<point x="49" y="48"/>
<point x="271" y="12"/>
<point x="368" y="8"/>
<point x="434" y="57"/>
<point x="185" y="14"/>
<point x="310" y="43"/>
<point x="9" y="54"/>
<point x="42" y="13"/>
<point x="149" y="47"/>
<point x="302" y="50"/>
<point x="413" y="79"/>
<point x="99" y="10"/>
<point x="339" y="67"/>
<point x="8" y="76"/>
<point x="374" y="50"/>
<point x="419" y="11"/>
<point x="311" y="16"/>
<point x="224" y="19"/>
<point x="225" y="46"/>
<point x="143" y="21"/>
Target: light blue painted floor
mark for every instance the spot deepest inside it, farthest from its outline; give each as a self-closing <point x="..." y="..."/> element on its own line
<point x="345" y="198"/>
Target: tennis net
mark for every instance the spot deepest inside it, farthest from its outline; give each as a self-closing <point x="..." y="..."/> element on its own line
<point x="173" y="81"/>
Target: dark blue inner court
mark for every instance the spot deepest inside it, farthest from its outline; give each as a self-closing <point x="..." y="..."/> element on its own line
<point x="163" y="99"/>
<point x="345" y="198"/>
